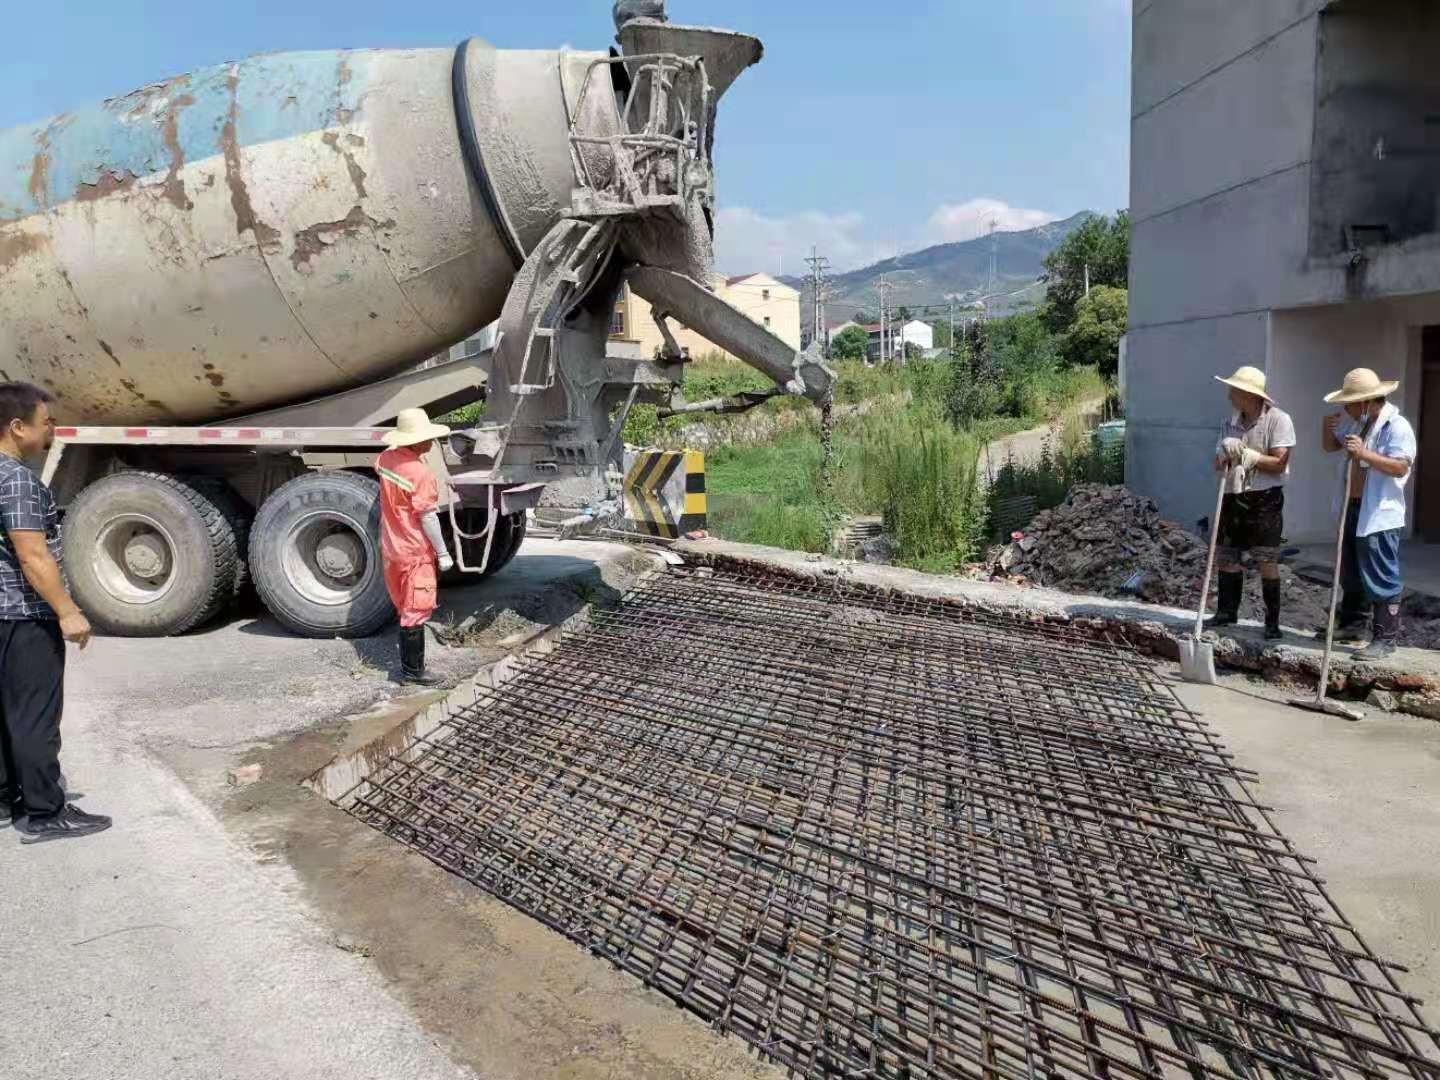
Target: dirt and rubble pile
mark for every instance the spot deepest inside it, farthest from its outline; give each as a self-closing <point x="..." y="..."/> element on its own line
<point x="1108" y="541"/>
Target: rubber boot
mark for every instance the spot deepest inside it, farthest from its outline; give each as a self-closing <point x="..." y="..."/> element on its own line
<point x="1271" y="591"/>
<point x="412" y="658"/>
<point x="1385" y="619"/>
<point x="1227" y="603"/>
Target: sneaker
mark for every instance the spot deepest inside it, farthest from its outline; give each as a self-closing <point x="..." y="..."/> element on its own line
<point x="72" y="822"/>
<point x="10" y="814"/>
<point x="423" y="678"/>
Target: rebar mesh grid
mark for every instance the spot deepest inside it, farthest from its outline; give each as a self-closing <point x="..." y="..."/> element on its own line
<point x="889" y="837"/>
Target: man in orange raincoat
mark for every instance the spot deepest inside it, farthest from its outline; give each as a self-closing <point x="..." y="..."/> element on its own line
<point x="412" y="545"/>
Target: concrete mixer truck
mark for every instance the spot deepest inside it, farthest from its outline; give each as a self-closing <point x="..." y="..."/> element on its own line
<point x="228" y="280"/>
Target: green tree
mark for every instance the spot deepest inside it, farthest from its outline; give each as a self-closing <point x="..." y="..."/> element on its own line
<point x="1094" y="336"/>
<point x="864" y="318"/>
<point x="849" y="344"/>
<point x="1103" y="245"/>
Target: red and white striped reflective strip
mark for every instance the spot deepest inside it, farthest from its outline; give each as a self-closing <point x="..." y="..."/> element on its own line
<point x="236" y="436"/>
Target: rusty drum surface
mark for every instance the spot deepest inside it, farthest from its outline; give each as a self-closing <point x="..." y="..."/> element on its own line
<point x="279" y="228"/>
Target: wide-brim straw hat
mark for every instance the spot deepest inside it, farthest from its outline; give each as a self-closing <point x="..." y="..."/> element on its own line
<point x="1361" y="384"/>
<point x="1249" y="379"/>
<point x="413" y="426"/>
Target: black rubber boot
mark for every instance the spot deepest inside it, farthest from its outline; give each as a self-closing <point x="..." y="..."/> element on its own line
<point x="1271" y="591"/>
<point x="1227" y="603"/>
<point x="1385" y="620"/>
<point x="412" y="658"/>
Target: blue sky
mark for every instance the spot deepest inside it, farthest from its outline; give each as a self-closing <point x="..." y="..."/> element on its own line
<point x="869" y="128"/>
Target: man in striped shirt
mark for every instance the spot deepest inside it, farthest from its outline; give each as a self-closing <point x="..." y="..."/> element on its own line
<point x="412" y="545"/>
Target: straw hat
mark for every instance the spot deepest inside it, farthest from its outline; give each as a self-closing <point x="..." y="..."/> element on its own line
<point x="413" y="426"/>
<point x="1249" y="379"/>
<point x="1362" y="384"/>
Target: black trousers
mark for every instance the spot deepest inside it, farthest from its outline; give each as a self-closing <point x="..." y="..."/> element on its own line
<point x="32" y="697"/>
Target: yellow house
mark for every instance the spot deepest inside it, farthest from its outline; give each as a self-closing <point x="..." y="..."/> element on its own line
<point x="767" y="300"/>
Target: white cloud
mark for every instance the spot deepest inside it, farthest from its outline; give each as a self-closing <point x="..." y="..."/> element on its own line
<point x="748" y="241"/>
<point x="965" y="221"/>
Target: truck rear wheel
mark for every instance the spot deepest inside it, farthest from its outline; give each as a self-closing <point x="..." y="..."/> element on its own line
<point x="149" y="554"/>
<point x="315" y="556"/>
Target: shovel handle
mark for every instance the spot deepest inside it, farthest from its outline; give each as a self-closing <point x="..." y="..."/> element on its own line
<point x="1335" y="587"/>
<point x="1210" y="558"/>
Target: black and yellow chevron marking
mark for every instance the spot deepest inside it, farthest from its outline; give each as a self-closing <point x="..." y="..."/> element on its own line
<point x="694" y="517"/>
<point x="645" y="505"/>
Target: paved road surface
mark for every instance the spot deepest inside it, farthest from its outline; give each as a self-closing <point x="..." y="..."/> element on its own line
<point x="166" y="949"/>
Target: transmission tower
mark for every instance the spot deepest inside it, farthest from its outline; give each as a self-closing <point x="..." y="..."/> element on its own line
<point x="819" y="293"/>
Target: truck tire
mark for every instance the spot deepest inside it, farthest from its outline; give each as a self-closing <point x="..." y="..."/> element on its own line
<point x="315" y="556"/>
<point x="149" y="555"/>
<point x="237" y="511"/>
<point x="510" y="533"/>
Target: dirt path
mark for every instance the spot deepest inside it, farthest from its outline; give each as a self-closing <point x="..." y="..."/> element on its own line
<point x="1024" y="447"/>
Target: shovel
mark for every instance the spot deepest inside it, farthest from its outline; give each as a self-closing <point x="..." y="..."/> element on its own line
<point x="1319" y="703"/>
<point x="1197" y="658"/>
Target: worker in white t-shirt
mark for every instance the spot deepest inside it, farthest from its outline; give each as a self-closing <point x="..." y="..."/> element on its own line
<point x="1255" y="446"/>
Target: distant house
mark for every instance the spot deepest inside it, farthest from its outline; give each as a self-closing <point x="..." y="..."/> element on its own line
<point x="832" y="330"/>
<point x="770" y="302"/>
<point x="914" y="332"/>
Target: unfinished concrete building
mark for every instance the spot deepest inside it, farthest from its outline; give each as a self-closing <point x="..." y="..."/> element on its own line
<point x="1285" y="187"/>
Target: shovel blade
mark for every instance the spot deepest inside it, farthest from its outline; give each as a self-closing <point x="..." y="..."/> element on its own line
<point x="1197" y="661"/>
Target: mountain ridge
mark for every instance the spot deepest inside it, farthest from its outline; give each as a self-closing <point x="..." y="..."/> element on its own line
<point x="930" y="276"/>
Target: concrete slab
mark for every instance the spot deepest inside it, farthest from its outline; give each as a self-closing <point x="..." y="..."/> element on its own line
<point x="1360" y="798"/>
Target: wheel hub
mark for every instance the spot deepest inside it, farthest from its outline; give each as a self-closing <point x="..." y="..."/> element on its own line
<point x="147" y="556"/>
<point x="339" y="555"/>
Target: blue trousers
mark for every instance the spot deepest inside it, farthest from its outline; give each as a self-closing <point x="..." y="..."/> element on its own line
<point x="1369" y="567"/>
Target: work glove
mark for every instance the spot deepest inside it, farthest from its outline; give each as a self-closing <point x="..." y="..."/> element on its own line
<point x="1234" y="449"/>
<point x="446" y="562"/>
<point x="1249" y="458"/>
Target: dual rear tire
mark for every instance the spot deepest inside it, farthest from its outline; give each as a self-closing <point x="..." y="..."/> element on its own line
<point x="152" y="555"/>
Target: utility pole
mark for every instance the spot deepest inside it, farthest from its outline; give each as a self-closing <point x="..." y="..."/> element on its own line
<point x="952" y="325"/>
<point x="1087" y="280"/>
<point x="886" y="332"/>
<point x="819" y="286"/>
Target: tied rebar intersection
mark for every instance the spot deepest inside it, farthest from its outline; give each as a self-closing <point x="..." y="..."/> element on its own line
<point x="884" y="836"/>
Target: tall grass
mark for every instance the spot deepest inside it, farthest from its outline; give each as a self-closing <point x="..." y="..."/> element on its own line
<point x="920" y="473"/>
<point x="770" y="494"/>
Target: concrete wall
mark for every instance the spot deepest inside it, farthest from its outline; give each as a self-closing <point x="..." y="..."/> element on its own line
<point x="1222" y="134"/>
<point x="1377" y="145"/>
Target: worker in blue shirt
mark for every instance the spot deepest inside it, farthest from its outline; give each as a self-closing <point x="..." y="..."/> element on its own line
<point x="1379" y="445"/>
